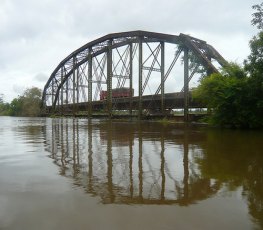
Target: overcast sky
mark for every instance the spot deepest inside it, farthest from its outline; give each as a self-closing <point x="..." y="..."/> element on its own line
<point x="35" y="35"/>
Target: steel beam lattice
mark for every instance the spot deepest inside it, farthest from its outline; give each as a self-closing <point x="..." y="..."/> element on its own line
<point x="128" y="60"/>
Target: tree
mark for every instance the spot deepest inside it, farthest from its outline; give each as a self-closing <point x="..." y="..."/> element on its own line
<point x="254" y="62"/>
<point x="4" y="107"/>
<point x="230" y="97"/>
<point x="31" y="101"/>
<point x="15" y="107"/>
<point x="28" y="104"/>
<point x="1" y="98"/>
<point x="258" y="16"/>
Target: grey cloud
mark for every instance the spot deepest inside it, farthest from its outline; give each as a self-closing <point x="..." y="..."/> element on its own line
<point x="36" y="35"/>
<point x="41" y="77"/>
<point x="176" y="16"/>
<point x="19" y="89"/>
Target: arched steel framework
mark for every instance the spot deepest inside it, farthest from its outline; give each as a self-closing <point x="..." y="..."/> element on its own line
<point x="76" y="83"/>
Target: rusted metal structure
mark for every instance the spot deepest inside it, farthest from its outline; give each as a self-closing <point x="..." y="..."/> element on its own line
<point x="110" y="62"/>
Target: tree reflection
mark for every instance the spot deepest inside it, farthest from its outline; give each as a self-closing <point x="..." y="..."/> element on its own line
<point x="237" y="162"/>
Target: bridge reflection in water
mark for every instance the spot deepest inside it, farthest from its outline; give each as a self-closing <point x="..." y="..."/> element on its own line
<point x="130" y="163"/>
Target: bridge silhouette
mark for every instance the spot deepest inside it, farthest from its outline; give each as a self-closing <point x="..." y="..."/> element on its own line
<point x="133" y="62"/>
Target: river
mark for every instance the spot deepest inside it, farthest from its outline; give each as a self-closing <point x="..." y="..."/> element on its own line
<point x="66" y="173"/>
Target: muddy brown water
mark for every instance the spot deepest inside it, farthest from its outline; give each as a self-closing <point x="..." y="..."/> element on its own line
<point x="99" y="174"/>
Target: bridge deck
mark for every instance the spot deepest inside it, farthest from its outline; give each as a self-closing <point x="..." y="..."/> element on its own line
<point x="152" y="103"/>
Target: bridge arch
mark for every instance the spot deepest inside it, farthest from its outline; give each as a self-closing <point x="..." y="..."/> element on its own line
<point x="70" y="88"/>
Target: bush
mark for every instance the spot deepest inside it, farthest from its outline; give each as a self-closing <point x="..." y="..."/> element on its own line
<point x="234" y="98"/>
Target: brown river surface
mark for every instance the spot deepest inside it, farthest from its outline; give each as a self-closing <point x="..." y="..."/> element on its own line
<point x="103" y="175"/>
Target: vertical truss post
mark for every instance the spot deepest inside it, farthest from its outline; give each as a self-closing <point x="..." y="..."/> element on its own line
<point x="74" y="85"/>
<point x="61" y="91"/>
<point x="67" y="92"/>
<point x="162" y="79"/>
<point x="186" y="83"/>
<point x="90" y="84"/>
<point x="53" y="94"/>
<point x="109" y="78"/>
<point x="58" y="103"/>
<point x="131" y="90"/>
<point x="140" y="79"/>
<point x="77" y="85"/>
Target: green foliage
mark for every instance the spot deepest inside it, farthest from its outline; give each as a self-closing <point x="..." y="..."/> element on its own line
<point x="31" y="101"/>
<point x="1" y="98"/>
<point x="233" y="69"/>
<point x="254" y="63"/>
<point x="26" y="105"/>
<point x="232" y="99"/>
<point x="258" y="16"/>
<point x="16" y="107"/>
<point x="4" y="108"/>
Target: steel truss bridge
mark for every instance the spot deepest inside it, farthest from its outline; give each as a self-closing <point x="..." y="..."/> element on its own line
<point x="132" y="60"/>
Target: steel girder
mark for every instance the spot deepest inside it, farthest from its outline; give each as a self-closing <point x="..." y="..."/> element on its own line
<point x="71" y="68"/>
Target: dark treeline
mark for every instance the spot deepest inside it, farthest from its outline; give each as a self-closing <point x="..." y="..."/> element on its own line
<point x="26" y="105"/>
